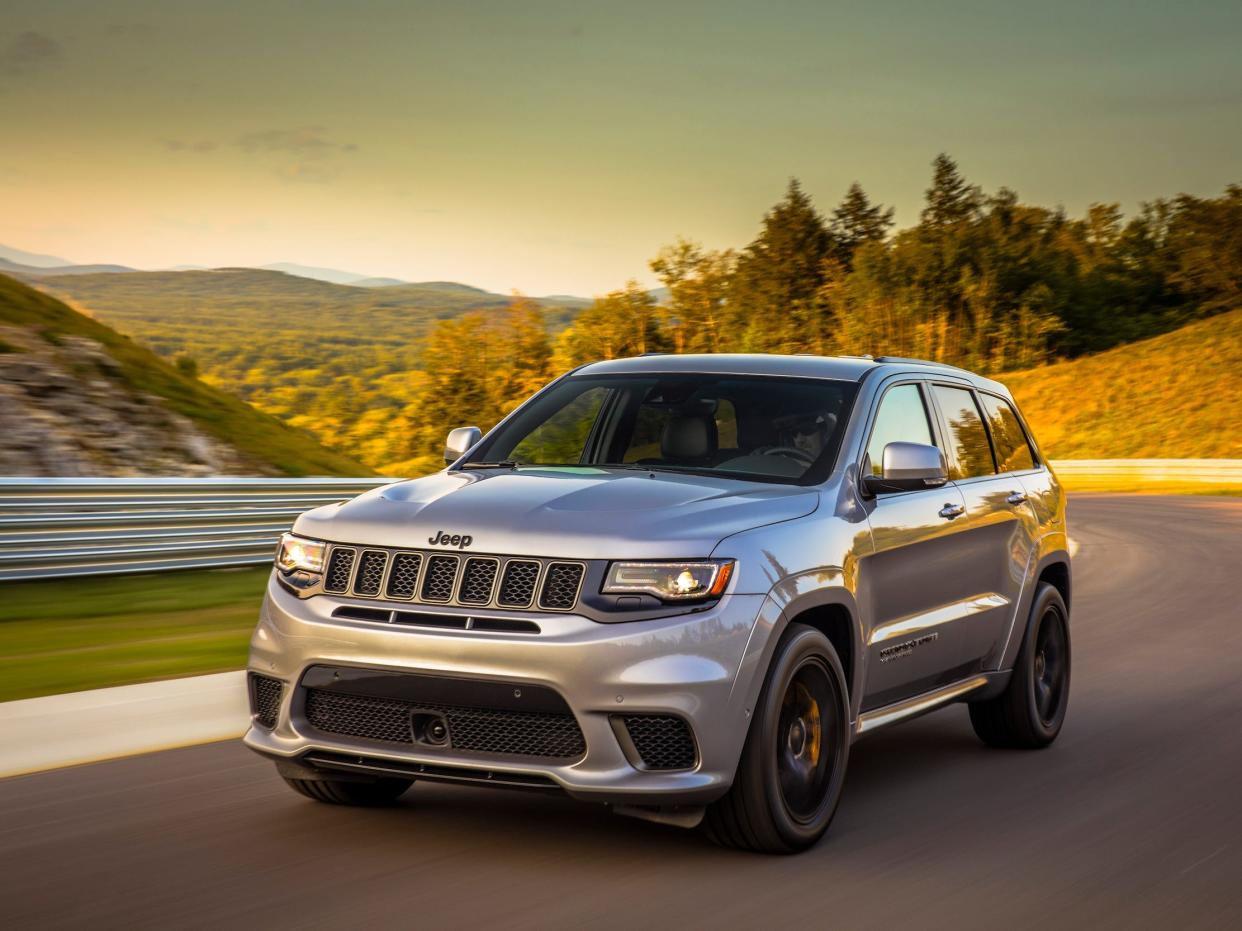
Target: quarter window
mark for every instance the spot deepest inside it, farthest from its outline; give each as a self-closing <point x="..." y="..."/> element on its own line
<point x="1013" y="452"/>
<point x="972" y="452"/>
<point x="902" y="418"/>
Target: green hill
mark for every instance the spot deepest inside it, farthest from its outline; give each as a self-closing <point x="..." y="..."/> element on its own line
<point x="55" y="360"/>
<point x="339" y="361"/>
<point x="1176" y="396"/>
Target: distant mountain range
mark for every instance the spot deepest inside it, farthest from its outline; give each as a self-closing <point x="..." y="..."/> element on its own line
<point x="20" y="263"/>
<point x="33" y="259"/>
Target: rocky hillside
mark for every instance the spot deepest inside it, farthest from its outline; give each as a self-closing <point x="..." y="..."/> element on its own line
<point x="77" y="398"/>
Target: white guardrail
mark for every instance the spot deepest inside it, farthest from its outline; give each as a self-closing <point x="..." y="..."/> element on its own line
<point x="55" y="527"/>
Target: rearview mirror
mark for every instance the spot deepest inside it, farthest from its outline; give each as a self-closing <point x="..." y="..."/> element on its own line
<point x="459" y="441"/>
<point x="908" y="467"/>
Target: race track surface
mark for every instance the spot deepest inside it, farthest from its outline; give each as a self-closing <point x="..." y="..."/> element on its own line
<point x="1132" y="819"/>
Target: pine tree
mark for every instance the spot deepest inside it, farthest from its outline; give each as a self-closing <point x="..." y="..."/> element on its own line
<point x="780" y="272"/>
<point x="857" y="221"/>
<point x="950" y="199"/>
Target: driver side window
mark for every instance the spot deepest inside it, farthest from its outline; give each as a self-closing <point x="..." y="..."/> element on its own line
<point x="902" y="418"/>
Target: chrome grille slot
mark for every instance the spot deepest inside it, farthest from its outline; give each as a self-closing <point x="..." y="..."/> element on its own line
<point x="560" y="585"/>
<point x="517" y="586"/>
<point x="370" y="572"/>
<point x="438" y="578"/>
<point x="478" y="579"/>
<point x="340" y="569"/>
<point x="403" y="577"/>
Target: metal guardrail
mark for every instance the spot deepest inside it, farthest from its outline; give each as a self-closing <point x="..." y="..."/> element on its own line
<point x="54" y="527"/>
<point x="1148" y="474"/>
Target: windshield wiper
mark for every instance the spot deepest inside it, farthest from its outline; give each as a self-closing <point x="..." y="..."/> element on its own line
<point x="502" y="464"/>
<point x="638" y="467"/>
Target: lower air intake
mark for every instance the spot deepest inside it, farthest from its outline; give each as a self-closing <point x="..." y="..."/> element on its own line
<point x="265" y="695"/>
<point x="476" y="730"/>
<point x="661" y="741"/>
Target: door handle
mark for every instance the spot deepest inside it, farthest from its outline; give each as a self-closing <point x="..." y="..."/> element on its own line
<point x="950" y="511"/>
<point x="1016" y="497"/>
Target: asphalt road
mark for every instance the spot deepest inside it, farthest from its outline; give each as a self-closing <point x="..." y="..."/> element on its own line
<point x="1133" y="818"/>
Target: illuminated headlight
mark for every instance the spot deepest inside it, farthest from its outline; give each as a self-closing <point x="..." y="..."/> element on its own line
<point x="670" y="581"/>
<point x="298" y="553"/>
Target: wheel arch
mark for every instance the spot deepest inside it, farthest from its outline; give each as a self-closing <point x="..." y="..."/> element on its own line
<point x="1054" y="568"/>
<point x="833" y="611"/>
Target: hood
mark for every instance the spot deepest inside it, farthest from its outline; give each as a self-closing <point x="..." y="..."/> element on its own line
<point x="570" y="513"/>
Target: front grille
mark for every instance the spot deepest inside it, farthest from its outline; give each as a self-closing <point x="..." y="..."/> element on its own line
<point x="404" y="575"/>
<point x="340" y="569"/>
<point x="265" y="695"/>
<point x="560" y="588"/>
<point x="450" y="579"/>
<point x="517" y="587"/>
<point x="438" y="579"/>
<point x="477" y="580"/>
<point x="370" y="572"/>
<point x="662" y="741"/>
<point x="476" y="730"/>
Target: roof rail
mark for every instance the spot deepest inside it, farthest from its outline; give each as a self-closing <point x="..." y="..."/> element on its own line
<point x="939" y="365"/>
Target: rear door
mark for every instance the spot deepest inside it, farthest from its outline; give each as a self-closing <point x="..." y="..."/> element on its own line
<point x="999" y="526"/>
<point x="918" y="564"/>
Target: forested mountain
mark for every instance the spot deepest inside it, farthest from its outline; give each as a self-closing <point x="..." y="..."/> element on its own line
<point x="78" y="398"/>
<point x="982" y="280"/>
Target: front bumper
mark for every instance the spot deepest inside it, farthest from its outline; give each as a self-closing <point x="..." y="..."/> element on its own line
<point x="692" y="666"/>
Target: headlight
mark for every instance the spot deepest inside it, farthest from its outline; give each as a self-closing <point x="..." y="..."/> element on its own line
<point x="670" y="581"/>
<point x="300" y="553"/>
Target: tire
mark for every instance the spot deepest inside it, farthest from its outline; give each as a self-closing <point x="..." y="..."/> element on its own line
<point x="340" y="792"/>
<point x="792" y="768"/>
<point x="1029" y="713"/>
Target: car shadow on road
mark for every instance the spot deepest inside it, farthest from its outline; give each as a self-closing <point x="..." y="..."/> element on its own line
<point x="889" y="782"/>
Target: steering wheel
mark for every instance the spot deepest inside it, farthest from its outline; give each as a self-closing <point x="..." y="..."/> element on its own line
<point x="791" y="451"/>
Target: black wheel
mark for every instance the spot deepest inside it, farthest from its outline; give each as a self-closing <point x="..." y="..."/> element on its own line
<point x="341" y="792"/>
<point x="792" y="769"/>
<point x="1031" y="710"/>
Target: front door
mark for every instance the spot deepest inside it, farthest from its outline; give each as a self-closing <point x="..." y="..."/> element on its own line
<point x="917" y="573"/>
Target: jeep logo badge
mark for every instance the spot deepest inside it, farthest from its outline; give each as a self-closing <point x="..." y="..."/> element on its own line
<point x="459" y="540"/>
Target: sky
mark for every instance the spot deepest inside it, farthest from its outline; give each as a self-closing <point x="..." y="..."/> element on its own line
<point x="555" y="147"/>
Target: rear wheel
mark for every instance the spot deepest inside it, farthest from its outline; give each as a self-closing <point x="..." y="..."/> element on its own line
<point x="1031" y="710"/>
<point x="341" y="792"/>
<point x="792" y="769"/>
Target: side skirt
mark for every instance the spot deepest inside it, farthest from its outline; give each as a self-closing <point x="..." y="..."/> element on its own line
<point x="982" y="685"/>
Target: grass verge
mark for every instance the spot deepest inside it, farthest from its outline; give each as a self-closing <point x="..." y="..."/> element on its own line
<point x="64" y="635"/>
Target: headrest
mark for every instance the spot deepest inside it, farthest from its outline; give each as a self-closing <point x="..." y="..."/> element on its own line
<point x="688" y="436"/>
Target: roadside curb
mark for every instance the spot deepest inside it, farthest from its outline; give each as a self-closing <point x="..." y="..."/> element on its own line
<point x="102" y="724"/>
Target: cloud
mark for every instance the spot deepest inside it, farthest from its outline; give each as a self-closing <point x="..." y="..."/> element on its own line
<point x="185" y="145"/>
<point x="310" y="141"/>
<point x="307" y="154"/>
<point x="28" y="51"/>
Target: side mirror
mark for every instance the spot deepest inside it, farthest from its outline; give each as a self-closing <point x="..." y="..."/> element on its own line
<point x="459" y="441"/>
<point x="908" y="467"/>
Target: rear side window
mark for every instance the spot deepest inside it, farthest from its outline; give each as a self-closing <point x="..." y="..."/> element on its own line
<point x="972" y="452"/>
<point x="1013" y="452"/>
<point x="902" y="418"/>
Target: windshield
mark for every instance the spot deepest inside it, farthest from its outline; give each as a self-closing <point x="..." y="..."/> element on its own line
<point x="747" y="427"/>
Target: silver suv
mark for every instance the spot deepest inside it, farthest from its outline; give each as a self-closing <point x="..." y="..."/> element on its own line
<point x="679" y="585"/>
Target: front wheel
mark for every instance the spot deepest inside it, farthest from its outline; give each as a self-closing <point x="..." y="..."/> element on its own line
<point x="1030" y="712"/>
<point x="792" y="769"/>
